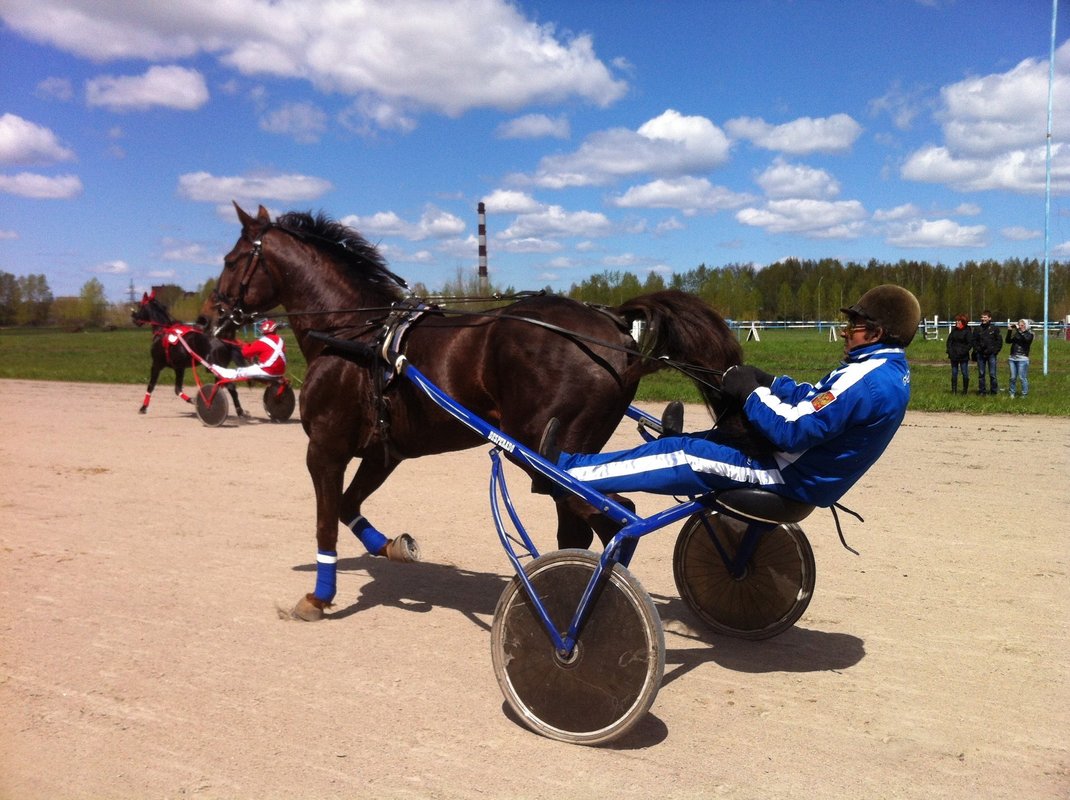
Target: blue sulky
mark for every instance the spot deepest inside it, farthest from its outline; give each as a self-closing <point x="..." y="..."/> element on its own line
<point x="577" y="643"/>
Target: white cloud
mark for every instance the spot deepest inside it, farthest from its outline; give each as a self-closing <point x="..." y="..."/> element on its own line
<point x="783" y="179"/>
<point x="111" y="268"/>
<point x="25" y="144"/>
<point x="815" y="219"/>
<point x="555" y="222"/>
<point x="938" y="233"/>
<point x="668" y="226"/>
<point x="189" y="252"/>
<point x="382" y="223"/>
<point x="204" y="187"/>
<point x="668" y="145"/>
<point x="1021" y="171"/>
<point x="41" y="187"/>
<point x="171" y="87"/>
<point x="434" y="223"/>
<point x="304" y="122"/>
<point x="56" y="88"/>
<point x="369" y="114"/>
<point x="994" y="132"/>
<point x="449" y="57"/>
<point x="990" y="114"/>
<point x="438" y="224"/>
<point x="690" y="195"/>
<point x="1019" y="234"/>
<point x="530" y="244"/>
<point x="905" y="211"/>
<point x="835" y="134"/>
<point x="506" y="201"/>
<point x="8" y="235"/>
<point x="535" y="126"/>
<point x="902" y="107"/>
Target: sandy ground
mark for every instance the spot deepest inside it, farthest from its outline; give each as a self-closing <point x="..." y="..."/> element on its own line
<point x="144" y="561"/>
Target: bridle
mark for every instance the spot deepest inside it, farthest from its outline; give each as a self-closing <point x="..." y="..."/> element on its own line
<point x="237" y="315"/>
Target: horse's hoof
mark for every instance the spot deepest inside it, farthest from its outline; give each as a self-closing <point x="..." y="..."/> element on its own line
<point x="403" y="548"/>
<point x="309" y="609"/>
<point x="142" y="410"/>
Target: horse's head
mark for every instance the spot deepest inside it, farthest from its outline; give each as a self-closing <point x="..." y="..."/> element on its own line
<point x="248" y="283"/>
<point x="312" y="260"/>
<point x="150" y="311"/>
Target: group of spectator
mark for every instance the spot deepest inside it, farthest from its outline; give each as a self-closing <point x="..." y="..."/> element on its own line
<point x="981" y="345"/>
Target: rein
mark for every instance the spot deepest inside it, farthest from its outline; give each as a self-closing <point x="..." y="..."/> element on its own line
<point x="692" y="371"/>
<point x="256" y="257"/>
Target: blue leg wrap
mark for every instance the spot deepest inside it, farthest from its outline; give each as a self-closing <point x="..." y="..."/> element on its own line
<point x="372" y="540"/>
<point x="326" y="571"/>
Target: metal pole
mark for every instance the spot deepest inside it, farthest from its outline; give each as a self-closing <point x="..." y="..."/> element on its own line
<point x="819" y="303"/>
<point x="1047" y="179"/>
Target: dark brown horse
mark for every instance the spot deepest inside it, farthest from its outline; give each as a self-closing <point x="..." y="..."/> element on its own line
<point x="514" y="366"/>
<point x="172" y="345"/>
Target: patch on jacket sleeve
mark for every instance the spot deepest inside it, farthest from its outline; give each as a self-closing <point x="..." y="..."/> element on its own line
<point x="822" y="400"/>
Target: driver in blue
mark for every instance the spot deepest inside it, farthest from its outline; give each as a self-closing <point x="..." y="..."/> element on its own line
<point x="826" y="435"/>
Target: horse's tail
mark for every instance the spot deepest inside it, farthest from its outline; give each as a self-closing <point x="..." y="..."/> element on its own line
<point x="686" y="331"/>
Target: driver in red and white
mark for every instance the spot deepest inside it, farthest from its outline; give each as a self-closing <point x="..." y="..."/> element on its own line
<point x="268" y="356"/>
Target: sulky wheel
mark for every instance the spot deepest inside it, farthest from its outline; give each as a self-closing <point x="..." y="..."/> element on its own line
<point x="279" y="401"/>
<point x="614" y="672"/>
<point x="212" y="405"/>
<point x="767" y="599"/>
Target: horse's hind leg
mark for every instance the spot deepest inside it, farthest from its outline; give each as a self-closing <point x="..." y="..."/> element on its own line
<point x="232" y="389"/>
<point x="373" y="471"/>
<point x="578" y="521"/>
<point x="180" y="373"/>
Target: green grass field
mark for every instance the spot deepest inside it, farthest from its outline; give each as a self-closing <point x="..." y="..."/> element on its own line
<point x="122" y="356"/>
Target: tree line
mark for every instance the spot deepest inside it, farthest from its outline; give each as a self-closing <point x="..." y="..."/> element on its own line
<point x="797" y="289"/>
<point x="791" y="289"/>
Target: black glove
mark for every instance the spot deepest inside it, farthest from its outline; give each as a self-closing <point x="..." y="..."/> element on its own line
<point x="741" y="380"/>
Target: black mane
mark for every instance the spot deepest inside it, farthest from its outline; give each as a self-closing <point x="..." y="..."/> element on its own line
<point x="362" y="259"/>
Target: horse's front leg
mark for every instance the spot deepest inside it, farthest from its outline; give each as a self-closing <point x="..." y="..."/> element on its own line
<point x="154" y="375"/>
<point x="328" y="471"/>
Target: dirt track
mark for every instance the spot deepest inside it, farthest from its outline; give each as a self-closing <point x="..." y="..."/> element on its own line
<point x="144" y="562"/>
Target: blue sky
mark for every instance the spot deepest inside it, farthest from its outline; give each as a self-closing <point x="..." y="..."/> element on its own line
<point x="601" y="135"/>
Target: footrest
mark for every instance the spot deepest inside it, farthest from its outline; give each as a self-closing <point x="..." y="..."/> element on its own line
<point x="762" y="505"/>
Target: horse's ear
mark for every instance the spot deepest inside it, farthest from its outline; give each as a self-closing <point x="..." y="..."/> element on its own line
<point x="152" y="296"/>
<point x="144" y="298"/>
<point x="263" y="216"/>
<point x="243" y="218"/>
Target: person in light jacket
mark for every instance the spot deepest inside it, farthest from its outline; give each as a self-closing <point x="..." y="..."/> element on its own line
<point x="1020" y="338"/>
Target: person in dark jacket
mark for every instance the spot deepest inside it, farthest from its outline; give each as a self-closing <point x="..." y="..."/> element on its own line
<point x="959" y="344"/>
<point x="1020" y="338"/>
<point x="986" y="344"/>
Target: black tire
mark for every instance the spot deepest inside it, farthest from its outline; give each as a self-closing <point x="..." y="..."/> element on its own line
<point x="212" y="405"/>
<point x="279" y="402"/>
<point x="615" y="670"/>
<point x="767" y="599"/>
